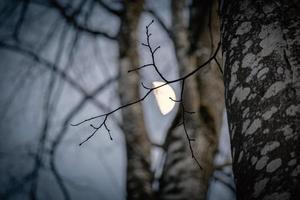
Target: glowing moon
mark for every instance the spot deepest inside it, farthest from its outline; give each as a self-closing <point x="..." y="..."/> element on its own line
<point x="162" y="97"/>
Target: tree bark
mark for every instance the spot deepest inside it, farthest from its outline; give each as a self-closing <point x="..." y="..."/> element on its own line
<point x="139" y="175"/>
<point x="182" y="178"/>
<point x="262" y="65"/>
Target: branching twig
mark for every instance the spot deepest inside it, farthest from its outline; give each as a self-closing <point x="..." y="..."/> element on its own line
<point x="152" y="52"/>
<point x="150" y="90"/>
<point x="161" y="23"/>
<point x="96" y="129"/>
<point x="183" y="111"/>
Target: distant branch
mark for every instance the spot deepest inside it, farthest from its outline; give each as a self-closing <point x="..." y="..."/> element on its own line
<point x="70" y="18"/>
<point x="21" y="18"/>
<point x="108" y="8"/>
<point x="52" y="67"/>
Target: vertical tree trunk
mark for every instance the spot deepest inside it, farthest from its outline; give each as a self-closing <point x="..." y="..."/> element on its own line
<point x="261" y="48"/>
<point x="182" y="178"/>
<point x="139" y="176"/>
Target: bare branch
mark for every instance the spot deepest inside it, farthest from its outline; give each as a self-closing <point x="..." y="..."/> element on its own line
<point x="109" y="9"/>
<point x="153" y="51"/>
<point x="156" y="49"/>
<point x="71" y="19"/>
<point x="147" y="88"/>
<point x="62" y="74"/>
<point x="96" y="129"/>
<point x="161" y="23"/>
<point x="141" y="67"/>
<point x="220" y="68"/>
<point x="181" y="79"/>
<point x="21" y="18"/>
<point x="183" y="111"/>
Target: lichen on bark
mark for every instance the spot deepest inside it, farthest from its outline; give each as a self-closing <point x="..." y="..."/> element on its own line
<point x="265" y="59"/>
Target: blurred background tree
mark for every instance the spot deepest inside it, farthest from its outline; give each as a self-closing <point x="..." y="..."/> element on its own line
<point x="65" y="61"/>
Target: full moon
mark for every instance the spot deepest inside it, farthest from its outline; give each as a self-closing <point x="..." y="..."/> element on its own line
<point x="162" y="97"/>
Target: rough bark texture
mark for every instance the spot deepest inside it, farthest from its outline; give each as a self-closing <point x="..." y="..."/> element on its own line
<point x="182" y="178"/>
<point x="139" y="175"/>
<point x="261" y="47"/>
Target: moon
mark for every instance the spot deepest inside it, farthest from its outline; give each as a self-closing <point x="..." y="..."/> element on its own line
<point x="162" y="96"/>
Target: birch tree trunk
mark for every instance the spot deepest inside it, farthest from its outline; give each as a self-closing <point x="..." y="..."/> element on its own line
<point x="139" y="175"/>
<point x="261" y="47"/>
<point x="182" y="178"/>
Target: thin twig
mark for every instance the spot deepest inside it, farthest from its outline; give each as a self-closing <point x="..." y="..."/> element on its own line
<point x="150" y="90"/>
<point x="141" y="67"/>
<point x="183" y="111"/>
<point x="152" y="52"/>
<point x="161" y="23"/>
<point x="220" y="68"/>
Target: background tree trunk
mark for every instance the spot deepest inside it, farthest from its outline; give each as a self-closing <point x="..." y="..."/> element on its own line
<point x="139" y="175"/>
<point x="182" y="178"/>
<point x="261" y="48"/>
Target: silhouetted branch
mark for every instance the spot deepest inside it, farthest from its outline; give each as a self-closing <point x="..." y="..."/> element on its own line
<point x="219" y="66"/>
<point x="141" y="67"/>
<point x="183" y="111"/>
<point x="152" y="52"/>
<point x="160" y="22"/>
<point x="150" y="90"/>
